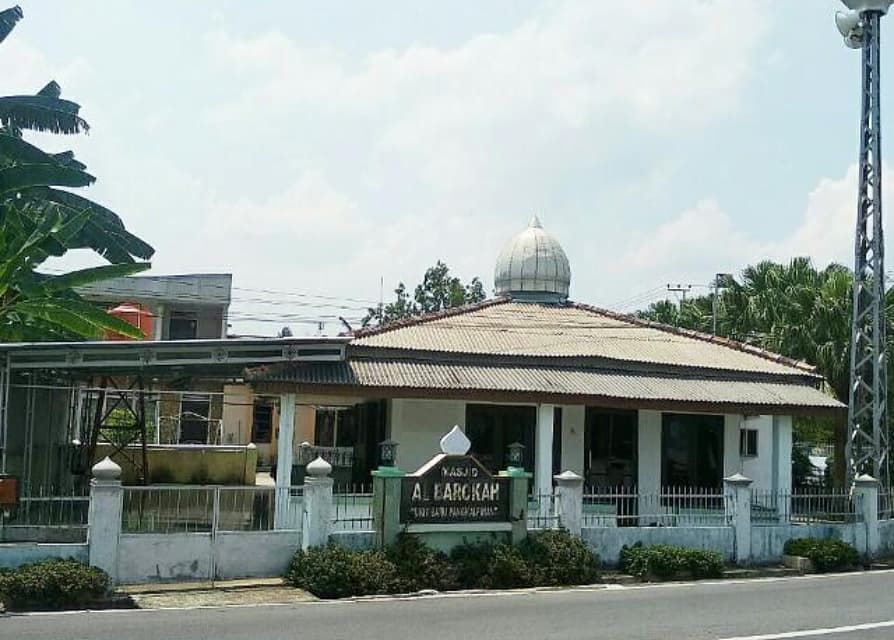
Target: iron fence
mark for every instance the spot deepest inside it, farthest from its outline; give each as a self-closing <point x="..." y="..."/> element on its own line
<point x="625" y="506"/>
<point x="352" y="507"/>
<point x="205" y="509"/>
<point x="885" y="505"/>
<point x="803" y="506"/>
<point x="543" y="511"/>
<point x="47" y="515"/>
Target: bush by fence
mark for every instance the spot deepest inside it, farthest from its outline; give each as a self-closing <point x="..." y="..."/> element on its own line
<point x="52" y="584"/>
<point x="826" y="555"/>
<point x="666" y="561"/>
<point x="546" y="558"/>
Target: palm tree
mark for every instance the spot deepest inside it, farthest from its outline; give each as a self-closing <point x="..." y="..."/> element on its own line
<point x="40" y="218"/>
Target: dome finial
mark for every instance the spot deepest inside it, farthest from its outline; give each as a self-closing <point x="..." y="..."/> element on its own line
<point x="533" y="267"/>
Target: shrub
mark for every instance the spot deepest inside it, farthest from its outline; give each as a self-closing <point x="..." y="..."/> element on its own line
<point x="471" y="562"/>
<point x="558" y="558"/>
<point x="52" y="584"/>
<point x="335" y="572"/>
<point x="668" y="561"/>
<point x="826" y="555"/>
<point x="419" y="566"/>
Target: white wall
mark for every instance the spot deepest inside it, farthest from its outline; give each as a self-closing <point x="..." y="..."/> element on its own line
<point x="173" y="557"/>
<point x="732" y="463"/>
<point x="782" y="458"/>
<point x="418" y="425"/>
<point x="649" y="451"/>
<point x="573" y="421"/>
<point x="760" y="468"/>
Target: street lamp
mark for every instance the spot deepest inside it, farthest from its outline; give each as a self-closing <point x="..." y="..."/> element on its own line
<point x="515" y="455"/>
<point x="387" y="453"/>
<point x="866" y="449"/>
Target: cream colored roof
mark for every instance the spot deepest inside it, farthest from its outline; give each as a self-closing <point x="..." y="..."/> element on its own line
<point x="563" y="382"/>
<point x="538" y="330"/>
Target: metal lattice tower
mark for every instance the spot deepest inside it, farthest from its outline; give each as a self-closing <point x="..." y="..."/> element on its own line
<point x="867" y="443"/>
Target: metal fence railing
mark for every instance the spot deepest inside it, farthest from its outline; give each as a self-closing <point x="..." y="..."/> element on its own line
<point x="671" y="507"/>
<point x="885" y="505"/>
<point x="803" y="506"/>
<point x="543" y="511"/>
<point x="352" y="507"/>
<point x="207" y="509"/>
<point x="47" y="515"/>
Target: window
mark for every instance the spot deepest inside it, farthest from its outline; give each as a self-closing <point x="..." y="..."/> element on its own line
<point x="610" y="448"/>
<point x="492" y="428"/>
<point x="336" y="427"/>
<point x="182" y="326"/>
<point x="262" y="421"/>
<point x="691" y="450"/>
<point x="194" y="412"/>
<point x="748" y="443"/>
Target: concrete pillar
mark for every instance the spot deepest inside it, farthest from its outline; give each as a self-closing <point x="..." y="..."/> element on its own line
<point x="732" y="461"/>
<point x="284" y="453"/>
<point x="570" y="499"/>
<point x="782" y="453"/>
<point x="737" y="499"/>
<point x="386" y="505"/>
<point x="104" y="518"/>
<point x="648" y="438"/>
<point x="543" y="474"/>
<point x="573" y="430"/>
<point x="317" y="511"/>
<point x="866" y="493"/>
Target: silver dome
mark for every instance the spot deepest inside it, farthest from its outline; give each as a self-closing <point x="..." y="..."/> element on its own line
<point x="533" y="266"/>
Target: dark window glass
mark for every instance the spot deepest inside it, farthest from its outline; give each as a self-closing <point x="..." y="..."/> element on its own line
<point x="610" y="442"/>
<point x="492" y="428"/>
<point x="182" y="326"/>
<point x="691" y="450"/>
<point x="324" y="428"/>
<point x="194" y="420"/>
<point x="748" y="443"/>
<point x="262" y="421"/>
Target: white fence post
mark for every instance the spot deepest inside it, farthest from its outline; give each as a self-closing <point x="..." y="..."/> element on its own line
<point x="317" y="505"/>
<point x="104" y="520"/>
<point x="570" y="498"/>
<point x="737" y="491"/>
<point x="866" y="492"/>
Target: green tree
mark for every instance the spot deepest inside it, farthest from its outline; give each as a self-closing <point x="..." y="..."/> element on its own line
<point x="439" y="290"/>
<point x="40" y="218"/>
<point x="793" y="309"/>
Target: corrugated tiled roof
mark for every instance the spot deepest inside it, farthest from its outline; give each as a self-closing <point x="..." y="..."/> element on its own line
<point x="505" y="328"/>
<point x="427" y="375"/>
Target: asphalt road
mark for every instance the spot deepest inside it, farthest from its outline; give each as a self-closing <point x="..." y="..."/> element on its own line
<point x="755" y="609"/>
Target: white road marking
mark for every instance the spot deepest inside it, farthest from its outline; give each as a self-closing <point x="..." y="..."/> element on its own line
<point x="828" y="631"/>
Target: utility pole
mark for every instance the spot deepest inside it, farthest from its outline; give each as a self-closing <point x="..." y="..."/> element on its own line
<point x="682" y="289"/>
<point x="866" y="449"/>
<point x="717" y="286"/>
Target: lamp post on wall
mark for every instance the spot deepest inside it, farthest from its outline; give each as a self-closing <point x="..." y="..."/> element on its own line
<point x="867" y="442"/>
<point x="388" y="453"/>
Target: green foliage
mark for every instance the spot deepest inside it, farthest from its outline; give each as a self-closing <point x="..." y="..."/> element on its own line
<point x="38" y="220"/>
<point x="419" y="566"/>
<point x="665" y="561"/>
<point x="439" y="290"/>
<point x="335" y="572"/>
<point x="548" y="558"/>
<point x="557" y="558"/>
<point x="826" y="555"/>
<point x="52" y="584"/>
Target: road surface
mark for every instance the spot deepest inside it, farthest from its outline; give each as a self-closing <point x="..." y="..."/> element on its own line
<point x="847" y="607"/>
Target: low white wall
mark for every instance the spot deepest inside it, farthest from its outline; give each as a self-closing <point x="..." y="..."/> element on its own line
<point x="767" y="542"/>
<point x="418" y="425"/>
<point x="608" y="541"/>
<point x="151" y="557"/>
<point x="254" y="554"/>
<point x="16" y="554"/>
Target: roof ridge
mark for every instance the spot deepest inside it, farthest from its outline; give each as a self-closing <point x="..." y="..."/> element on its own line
<point x="431" y="316"/>
<point x="699" y="335"/>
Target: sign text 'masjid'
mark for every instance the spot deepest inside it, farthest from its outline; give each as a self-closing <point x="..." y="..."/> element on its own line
<point x="454" y="489"/>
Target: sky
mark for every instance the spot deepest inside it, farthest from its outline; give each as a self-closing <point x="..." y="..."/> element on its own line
<point x="321" y="150"/>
